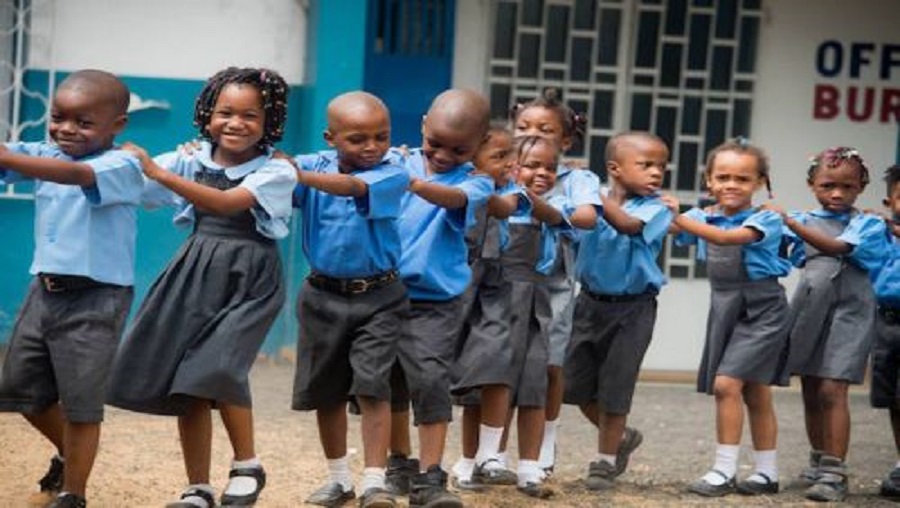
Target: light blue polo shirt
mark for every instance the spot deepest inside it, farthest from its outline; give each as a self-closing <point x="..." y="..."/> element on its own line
<point x="612" y="263"/>
<point x="271" y="181"/>
<point x="87" y="231"/>
<point x="887" y="277"/>
<point x="762" y="258"/>
<point x="434" y="260"/>
<point x="866" y="233"/>
<point x="579" y="186"/>
<point x="524" y="207"/>
<point x="349" y="237"/>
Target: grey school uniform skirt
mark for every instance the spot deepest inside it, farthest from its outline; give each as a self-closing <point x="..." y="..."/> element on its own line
<point x="203" y="321"/>
<point x="484" y="353"/>
<point x="746" y="330"/>
<point x="832" y="321"/>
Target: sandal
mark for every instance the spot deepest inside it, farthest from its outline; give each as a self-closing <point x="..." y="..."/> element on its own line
<point x="258" y="474"/>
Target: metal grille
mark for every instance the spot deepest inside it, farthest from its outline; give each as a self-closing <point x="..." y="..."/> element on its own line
<point x="15" y="87"/>
<point x="683" y="69"/>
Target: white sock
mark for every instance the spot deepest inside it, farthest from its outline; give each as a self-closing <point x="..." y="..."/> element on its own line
<point x="373" y="478"/>
<point x="766" y="462"/>
<point x="463" y="468"/>
<point x="339" y="472"/>
<point x="606" y="457"/>
<point x="242" y="485"/>
<point x="197" y="500"/>
<point x="488" y="443"/>
<point x="548" y="445"/>
<point x="502" y="459"/>
<point x="529" y="472"/>
<point x="726" y="462"/>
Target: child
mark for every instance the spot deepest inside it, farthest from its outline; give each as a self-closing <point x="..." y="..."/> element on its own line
<point x="228" y="273"/>
<point x="484" y="354"/>
<point x="353" y="305"/>
<point x="616" y="308"/>
<point x="886" y="353"/>
<point x="56" y="369"/>
<point x="747" y="326"/>
<point x="833" y="311"/>
<point x="549" y="117"/>
<point x="434" y="218"/>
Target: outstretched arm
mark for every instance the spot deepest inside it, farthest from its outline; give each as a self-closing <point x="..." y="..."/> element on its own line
<point x="715" y="235"/>
<point x="437" y="194"/>
<point x="502" y="207"/>
<point x="48" y="169"/>
<point x="219" y="202"/>
<point x="618" y="218"/>
<point x="543" y="212"/>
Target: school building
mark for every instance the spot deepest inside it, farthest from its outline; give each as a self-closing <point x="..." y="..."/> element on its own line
<point x="795" y="76"/>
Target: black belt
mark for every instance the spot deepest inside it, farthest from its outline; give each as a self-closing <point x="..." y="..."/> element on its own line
<point x="891" y="315"/>
<point x="356" y="286"/>
<point x="54" y="283"/>
<point x="619" y="298"/>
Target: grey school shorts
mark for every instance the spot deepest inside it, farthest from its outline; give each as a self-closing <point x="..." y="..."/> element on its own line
<point x="426" y="354"/>
<point x="347" y="344"/>
<point x="885" y="391"/>
<point x="609" y="340"/>
<point x="62" y="349"/>
<point x="562" y="305"/>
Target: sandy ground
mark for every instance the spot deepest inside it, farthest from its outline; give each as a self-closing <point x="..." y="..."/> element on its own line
<point x="139" y="463"/>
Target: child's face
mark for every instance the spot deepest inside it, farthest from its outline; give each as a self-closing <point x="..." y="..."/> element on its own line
<point x="836" y="188"/>
<point x="445" y="148"/>
<point x="537" y="167"/>
<point x="361" y="138"/>
<point x="543" y="122"/>
<point x="82" y="123"/>
<point x="640" y="166"/>
<point x="733" y="180"/>
<point x="496" y="157"/>
<point x="237" y="122"/>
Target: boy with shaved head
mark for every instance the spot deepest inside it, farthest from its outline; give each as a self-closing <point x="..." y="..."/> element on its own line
<point x="57" y="365"/>
<point x="353" y="304"/>
<point x="435" y="215"/>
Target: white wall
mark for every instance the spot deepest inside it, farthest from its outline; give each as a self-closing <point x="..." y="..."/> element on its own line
<point x="783" y="123"/>
<point x="471" y="49"/>
<point x="187" y="39"/>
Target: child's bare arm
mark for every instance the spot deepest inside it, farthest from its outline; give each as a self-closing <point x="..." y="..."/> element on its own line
<point x="824" y="243"/>
<point x="227" y="202"/>
<point x="502" y="207"/>
<point x="543" y="212"/>
<point x="48" y="169"/>
<point x="584" y="217"/>
<point x="618" y="218"/>
<point x="437" y="194"/>
<point x="715" y="235"/>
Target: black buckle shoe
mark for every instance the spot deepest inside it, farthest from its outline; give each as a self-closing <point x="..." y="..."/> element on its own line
<point x="400" y="469"/>
<point x="68" y="500"/>
<point x="193" y="492"/>
<point x="258" y="474"/>
<point x="331" y="494"/>
<point x="53" y="480"/>
<point x="752" y="487"/>
<point x="706" y="489"/>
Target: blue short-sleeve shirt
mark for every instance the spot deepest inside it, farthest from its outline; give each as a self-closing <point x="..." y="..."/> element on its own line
<point x="434" y="260"/>
<point x="87" y="231"/>
<point x="349" y="237"/>
<point x="609" y="262"/>
<point x="866" y="233"/>
<point x="887" y="277"/>
<point x="270" y="180"/>
<point x="762" y="258"/>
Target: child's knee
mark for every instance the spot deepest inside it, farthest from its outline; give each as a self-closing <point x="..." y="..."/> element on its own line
<point x="726" y="388"/>
<point x="833" y="394"/>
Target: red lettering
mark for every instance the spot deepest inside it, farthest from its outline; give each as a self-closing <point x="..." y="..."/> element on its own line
<point x="853" y="112"/>
<point x="825" y="104"/>
<point x="890" y="105"/>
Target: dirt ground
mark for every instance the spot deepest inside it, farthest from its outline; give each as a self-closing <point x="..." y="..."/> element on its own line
<point x="139" y="463"/>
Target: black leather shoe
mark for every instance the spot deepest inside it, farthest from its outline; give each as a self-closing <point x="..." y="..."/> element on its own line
<point x="429" y="489"/>
<point x="890" y="486"/>
<point x="377" y="498"/>
<point x="256" y="473"/>
<point x="752" y="487"/>
<point x="331" y="494"/>
<point x="703" y="488"/>
<point x="68" y="500"/>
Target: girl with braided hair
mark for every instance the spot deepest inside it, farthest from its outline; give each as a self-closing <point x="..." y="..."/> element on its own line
<point x="203" y="321"/>
<point x="833" y="310"/>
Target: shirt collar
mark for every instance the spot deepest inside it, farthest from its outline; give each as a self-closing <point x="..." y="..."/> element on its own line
<point x="204" y="156"/>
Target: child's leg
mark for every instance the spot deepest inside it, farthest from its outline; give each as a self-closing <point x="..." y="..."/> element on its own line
<point x="812" y="411"/>
<point x="238" y="423"/>
<point x="376" y="430"/>
<point x="554" y="392"/>
<point x="764" y="431"/>
<point x="729" y="409"/>
<point x="400" y="440"/>
<point x="51" y="424"/>
<point x="81" y="440"/>
<point x="332" y="426"/>
<point x="531" y="432"/>
<point x="835" y="417"/>
<point x="470" y="422"/>
<point x="591" y="411"/>
<point x="492" y="425"/>
<point x="611" y="432"/>
<point x="432" y="438"/>
<point x="195" y="431"/>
